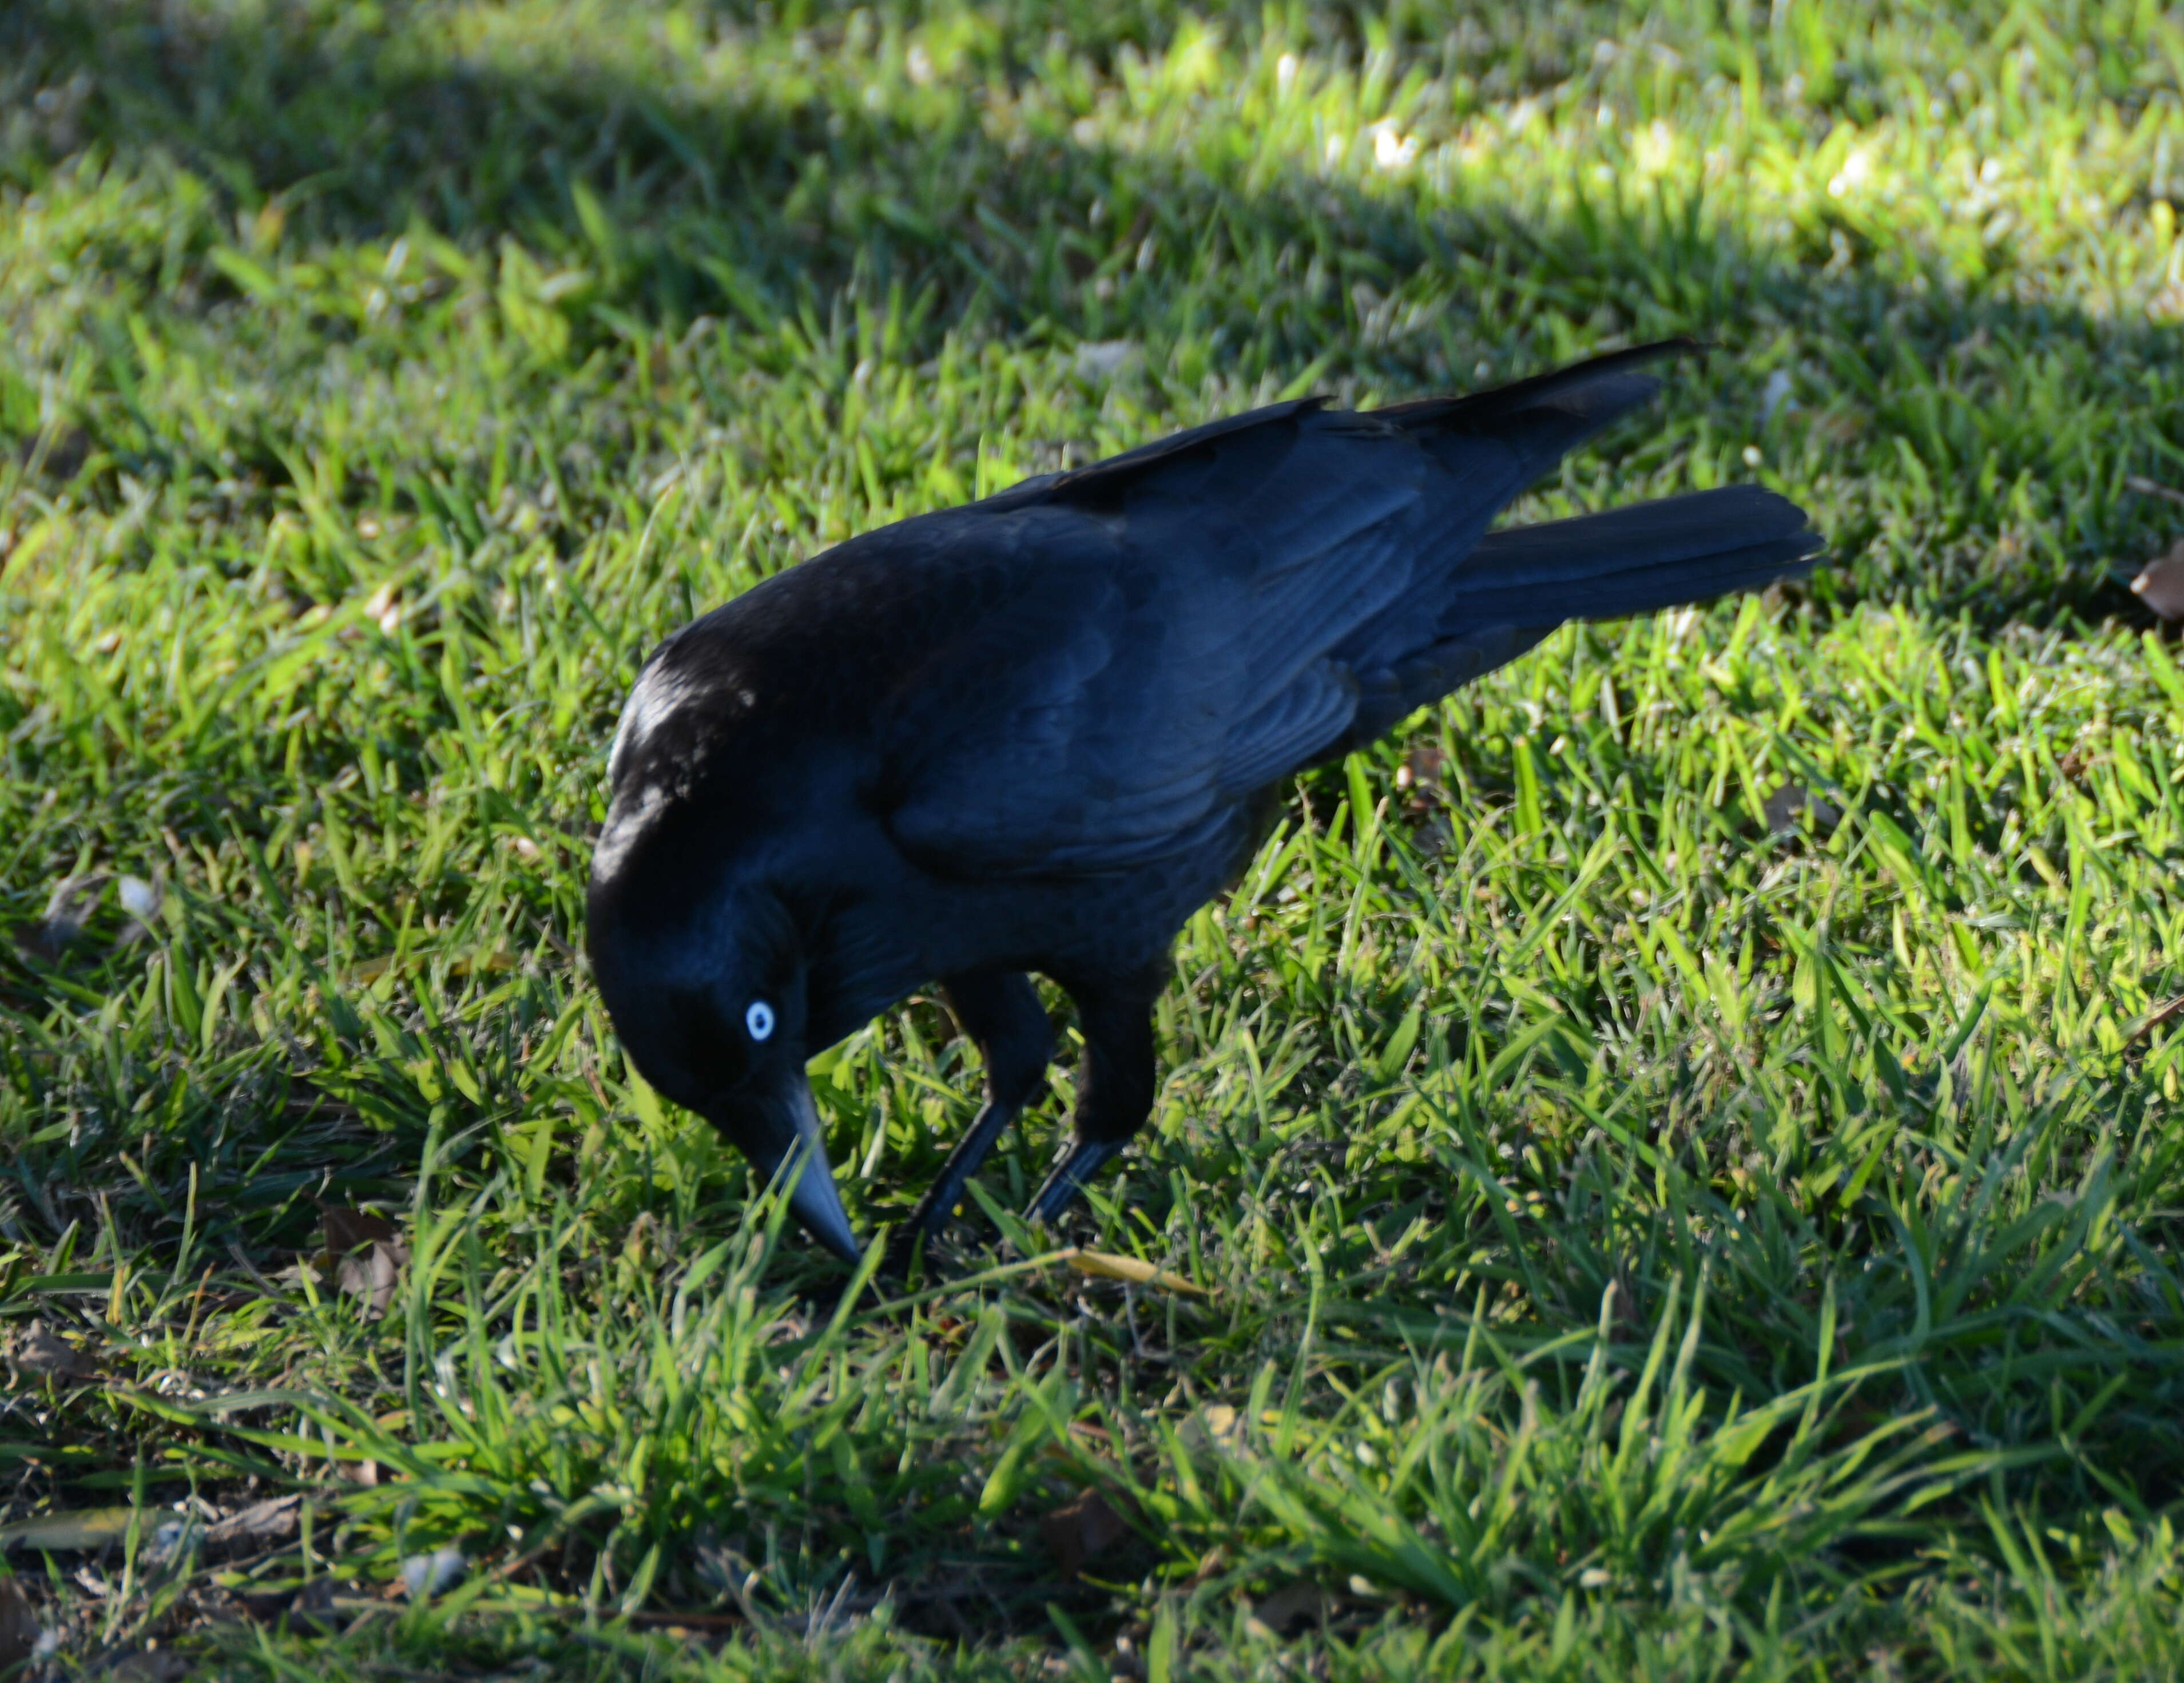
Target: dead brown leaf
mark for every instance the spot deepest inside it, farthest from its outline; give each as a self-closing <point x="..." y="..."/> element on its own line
<point x="1106" y="1265"/>
<point x="348" y="1230"/>
<point x="365" y="1255"/>
<point x="38" y="1350"/>
<point x="2160" y="582"/>
<point x="258" y="1526"/>
<point x="1214" y="1426"/>
<point x="370" y="1273"/>
<point x="1790" y="807"/>
<point x="1087" y="1527"/>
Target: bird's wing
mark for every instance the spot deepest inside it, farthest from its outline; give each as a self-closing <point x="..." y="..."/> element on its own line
<point x="1156" y="637"/>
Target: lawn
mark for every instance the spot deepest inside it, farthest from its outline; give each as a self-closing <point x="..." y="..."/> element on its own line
<point x="1666" y="1168"/>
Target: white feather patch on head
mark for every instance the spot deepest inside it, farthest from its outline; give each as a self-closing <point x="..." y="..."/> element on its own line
<point x="625" y="825"/>
<point x="659" y="691"/>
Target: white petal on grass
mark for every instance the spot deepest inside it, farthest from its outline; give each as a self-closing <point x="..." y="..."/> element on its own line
<point x="428" y="1575"/>
<point x="1857" y="170"/>
<point x="384" y="607"/>
<point x="1392" y="149"/>
<point x="1104" y="359"/>
<point x="139" y="899"/>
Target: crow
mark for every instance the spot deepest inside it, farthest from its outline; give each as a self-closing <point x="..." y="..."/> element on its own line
<point x="1037" y="732"/>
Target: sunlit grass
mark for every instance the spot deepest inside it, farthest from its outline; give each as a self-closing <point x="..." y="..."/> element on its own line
<point x="1648" y="1223"/>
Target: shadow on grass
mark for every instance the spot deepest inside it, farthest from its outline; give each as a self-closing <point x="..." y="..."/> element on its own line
<point x="1964" y="450"/>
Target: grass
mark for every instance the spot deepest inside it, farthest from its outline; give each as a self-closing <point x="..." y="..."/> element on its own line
<point x="1639" y="1233"/>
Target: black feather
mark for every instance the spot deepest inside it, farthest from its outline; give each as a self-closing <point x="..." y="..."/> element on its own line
<point x="1036" y="732"/>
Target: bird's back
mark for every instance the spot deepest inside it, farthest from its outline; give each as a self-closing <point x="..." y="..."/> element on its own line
<point x="1097" y="671"/>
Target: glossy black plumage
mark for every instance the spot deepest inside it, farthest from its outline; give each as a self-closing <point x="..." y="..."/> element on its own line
<point x="1034" y="733"/>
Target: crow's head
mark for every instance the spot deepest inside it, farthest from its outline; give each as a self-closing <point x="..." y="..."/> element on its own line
<point x="698" y="960"/>
<point x="710" y="1006"/>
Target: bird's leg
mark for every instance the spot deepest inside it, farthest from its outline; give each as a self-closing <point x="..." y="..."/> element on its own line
<point x="1114" y="1086"/>
<point x="1000" y="1010"/>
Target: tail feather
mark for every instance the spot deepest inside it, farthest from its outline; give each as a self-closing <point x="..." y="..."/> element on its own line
<point x="1600" y="382"/>
<point x="1632" y="560"/>
<point x="1518" y="585"/>
<point x="1539" y="420"/>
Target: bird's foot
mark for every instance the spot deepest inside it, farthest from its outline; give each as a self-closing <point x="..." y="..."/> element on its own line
<point x="930" y="1219"/>
<point x="937" y="1207"/>
<point x="1070" y="1177"/>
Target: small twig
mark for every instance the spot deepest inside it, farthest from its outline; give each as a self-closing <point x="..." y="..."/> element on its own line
<point x="2149" y="488"/>
<point x="265" y="1285"/>
<point x="695" y="1621"/>
<point x="2162" y="1014"/>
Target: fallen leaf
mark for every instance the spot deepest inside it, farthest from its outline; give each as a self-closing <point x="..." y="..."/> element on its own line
<point x="38" y="1350"/>
<point x="2160" y="582"/>
<point x="1108" y="1265"/>
<point x="18" y="1626"/>
<point x="365" y="1255"/>
<point x="82" y="1528"/>
<point x="372" y="1274"/>
<point x="1790" y="806"/>
<point x="1215" y="1425"/>
<point x="258" y="1526"/>
<point x="1213" y="1562"/>
<point x="348" y="1230"/>
<point x="1076" y="1534"/>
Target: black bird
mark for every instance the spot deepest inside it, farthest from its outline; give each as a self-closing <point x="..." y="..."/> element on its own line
<point x="1036" y="732"/>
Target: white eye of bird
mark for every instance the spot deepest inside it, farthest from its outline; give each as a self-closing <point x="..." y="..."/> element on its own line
<point x="759" y="1019"/>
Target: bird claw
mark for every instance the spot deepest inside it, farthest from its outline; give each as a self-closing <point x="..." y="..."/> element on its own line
<point x="1070" y="1177"/>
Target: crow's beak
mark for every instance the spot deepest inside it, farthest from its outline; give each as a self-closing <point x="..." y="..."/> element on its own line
<point x="795" y="1151"/>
